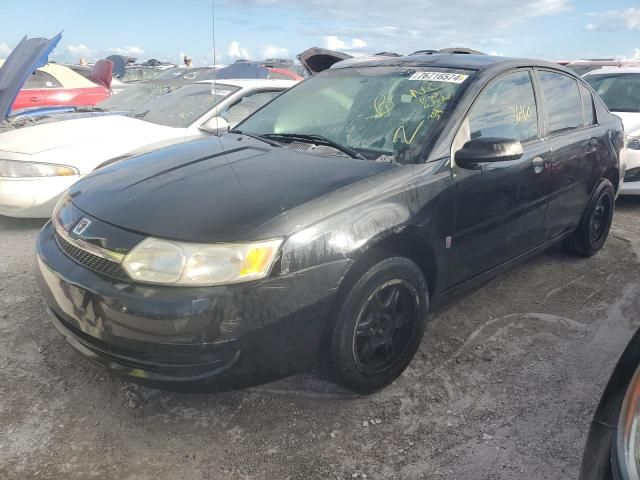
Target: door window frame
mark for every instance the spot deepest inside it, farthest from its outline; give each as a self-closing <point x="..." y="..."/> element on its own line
<point x="578" y="82"/>
<point x="536" y="96"/>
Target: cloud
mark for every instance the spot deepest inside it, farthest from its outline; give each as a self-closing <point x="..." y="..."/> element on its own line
<point x="128" y="51"/>
<point x="4" y="50"/>
<point x="234" y="51"/>
<point x="81" y="51"/>
<point x="611" y="20"/>
<point x="417" y="24"/>
<point x="335" y="43"/>
<point x="271" y="51"/>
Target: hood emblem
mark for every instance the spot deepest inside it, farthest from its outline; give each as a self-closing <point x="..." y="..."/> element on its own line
<point x="81" y="226"/>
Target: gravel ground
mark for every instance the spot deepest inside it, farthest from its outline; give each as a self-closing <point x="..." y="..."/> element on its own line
<point x="503" y="387"/>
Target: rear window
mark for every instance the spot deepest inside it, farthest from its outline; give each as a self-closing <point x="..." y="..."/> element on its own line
<point x="621" y="92"/>
<point x="562" y="102"/>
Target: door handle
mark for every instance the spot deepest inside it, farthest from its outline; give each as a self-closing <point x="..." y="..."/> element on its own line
<point x="35" y="99"/>
<point x="538" y="164"/>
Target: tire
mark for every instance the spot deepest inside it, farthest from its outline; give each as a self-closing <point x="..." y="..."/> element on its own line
<point x="379" y="325"/>
<point x="592" y="233"/>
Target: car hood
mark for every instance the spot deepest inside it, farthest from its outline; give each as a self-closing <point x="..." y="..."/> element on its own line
<point x="630" y="120"/>
<point x="84" y="133"/>
<point x="29" y="54"/>
<point x="213" y="189"/>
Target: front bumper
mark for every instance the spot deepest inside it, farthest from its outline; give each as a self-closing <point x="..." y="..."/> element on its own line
<point x="194" y="339"/>
<point x="32" y="197"/>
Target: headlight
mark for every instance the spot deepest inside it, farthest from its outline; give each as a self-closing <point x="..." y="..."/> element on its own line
<point x="628" y="439"/>
<point x="633" y="141"/>
<point x="17" y="169"/>
<point x="193" y="264"/>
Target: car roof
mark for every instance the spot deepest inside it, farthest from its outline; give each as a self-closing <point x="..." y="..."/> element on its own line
<point x="608" y="71"/>
<point x="66" y="76"/>
<point x="455" y="60"/>
<point x="253" y="83"/>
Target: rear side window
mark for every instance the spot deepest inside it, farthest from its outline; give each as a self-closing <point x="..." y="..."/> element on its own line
<point x="588" y="109"/>
<point x="563" y="103"/>
<point x="506" y="109"/>
<point x="40" y="79"/>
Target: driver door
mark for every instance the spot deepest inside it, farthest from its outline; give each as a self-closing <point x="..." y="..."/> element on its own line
<point x="500" y="206"/>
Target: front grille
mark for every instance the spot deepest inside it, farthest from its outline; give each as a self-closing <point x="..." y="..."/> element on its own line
<point x="91" y="261"/>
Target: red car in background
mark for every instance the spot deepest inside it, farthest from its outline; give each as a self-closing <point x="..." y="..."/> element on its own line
<point x="56" y="85"/>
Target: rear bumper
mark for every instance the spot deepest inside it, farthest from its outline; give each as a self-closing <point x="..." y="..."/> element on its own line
<point x="193" y="339"/>
<point x="32" y="197"/>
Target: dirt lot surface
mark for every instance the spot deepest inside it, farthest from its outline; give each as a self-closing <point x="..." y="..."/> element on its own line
<point x="503" y="387"/>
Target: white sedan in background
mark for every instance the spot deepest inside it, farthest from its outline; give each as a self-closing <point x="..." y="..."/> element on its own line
<point x="40" y="157"/>
<point x="620" y="90"/>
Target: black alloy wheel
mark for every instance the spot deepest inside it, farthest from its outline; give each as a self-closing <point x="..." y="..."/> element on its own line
<point x="593" y="230"/>
<point x="384" y="326"/>
<point x="378" y="324"/>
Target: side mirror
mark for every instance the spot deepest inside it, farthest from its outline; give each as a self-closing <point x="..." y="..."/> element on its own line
<point x="488" y="149"/>
<point x="216" y="126"/>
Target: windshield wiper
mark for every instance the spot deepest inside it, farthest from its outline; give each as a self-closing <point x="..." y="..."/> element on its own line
<point x="319" y="140"/>
<point x="91" y="109"/>
<point x="140" y="115"/>
<point x="273" y="143"/>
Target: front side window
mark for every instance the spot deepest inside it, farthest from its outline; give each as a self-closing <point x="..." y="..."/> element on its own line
<point x="246" y="106"/>
<point x="380" y="112"/>
<point x="620" y="91"/>
<point x="506" y="109"/>
<point x="563" y="103"/>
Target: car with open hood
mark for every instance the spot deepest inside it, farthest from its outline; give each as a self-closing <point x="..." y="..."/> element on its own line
<point x="322" y="229"/>
<point x="42" y="156"/>
<point x="620" y="90"/>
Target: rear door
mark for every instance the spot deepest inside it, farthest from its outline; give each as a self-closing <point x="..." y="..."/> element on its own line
<point x="576" y="148"/>
<point x="46" y="90"/>
<point x="500" y="208"/>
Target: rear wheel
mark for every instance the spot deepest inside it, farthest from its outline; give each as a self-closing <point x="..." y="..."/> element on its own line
<point x="379" y="326"/>
<point x="592" y="233"/>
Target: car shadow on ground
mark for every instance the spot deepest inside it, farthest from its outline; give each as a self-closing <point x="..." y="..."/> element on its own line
<point x="16" y="224"/>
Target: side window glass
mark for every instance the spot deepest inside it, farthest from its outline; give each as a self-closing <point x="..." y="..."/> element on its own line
<point x="588" y="109"/>
<point x="40" y="79"/>
<point x="506" y="109"/>
<point x="246" y="106"/>
<point x="562" y="101"/>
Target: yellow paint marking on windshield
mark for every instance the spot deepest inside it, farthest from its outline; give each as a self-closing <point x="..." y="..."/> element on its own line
<point x="382" y="106"/>
<point x="402" y="133"/>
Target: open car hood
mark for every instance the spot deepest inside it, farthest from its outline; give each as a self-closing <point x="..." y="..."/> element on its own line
<point x="29" y="55"/>
<point x="315" y="60"/>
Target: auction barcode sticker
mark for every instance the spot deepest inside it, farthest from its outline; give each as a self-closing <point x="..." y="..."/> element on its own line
<point x="439" y="77"/>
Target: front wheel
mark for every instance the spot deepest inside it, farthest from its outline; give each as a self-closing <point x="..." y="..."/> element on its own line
<point x="592" y="233"/>
<point x="379" y="326"/>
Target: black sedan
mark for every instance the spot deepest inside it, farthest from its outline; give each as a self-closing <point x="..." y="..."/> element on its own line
<point x="321" y="230"/>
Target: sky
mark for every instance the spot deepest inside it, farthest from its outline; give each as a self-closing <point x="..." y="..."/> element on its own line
<point x="257" y="29"/>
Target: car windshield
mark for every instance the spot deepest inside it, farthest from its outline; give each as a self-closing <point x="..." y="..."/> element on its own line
<point x="620" y="91"/>
<point x="133" y="97"/>
<point x="378" y="112"/>
<point x="176" y="107"/>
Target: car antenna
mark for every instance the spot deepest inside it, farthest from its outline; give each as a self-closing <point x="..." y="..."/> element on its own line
<point x="213" y="44"/>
